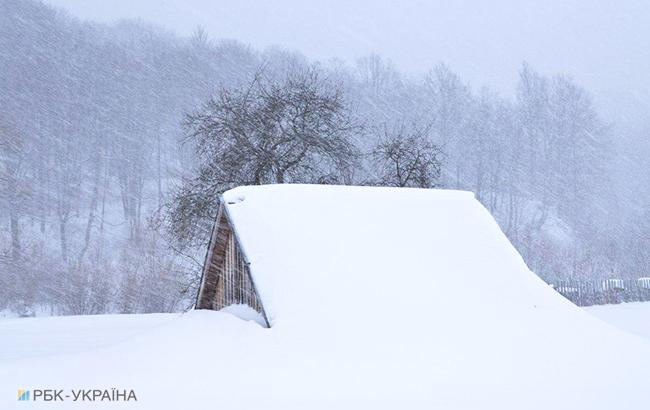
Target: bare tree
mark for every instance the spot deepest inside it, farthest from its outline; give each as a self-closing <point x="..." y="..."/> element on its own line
<point x="407" y="158"/>
<point x="14" y="186"/>
<point x="296" y="129"/>
<point x="377" y="75"/>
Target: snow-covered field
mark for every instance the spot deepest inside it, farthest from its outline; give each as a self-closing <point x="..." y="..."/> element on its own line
<point x="169" y="360"/>
<point x="31" y="338"/>
<point x="630" y="317"/>
<point x="450" y="319"/>
<point x="27" y="338"/>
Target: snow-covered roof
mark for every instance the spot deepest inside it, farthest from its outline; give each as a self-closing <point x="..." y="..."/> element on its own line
<point x="338" y="254"/>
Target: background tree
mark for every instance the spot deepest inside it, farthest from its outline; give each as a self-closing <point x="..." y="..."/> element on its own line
<point x="407" y="158"/>
<point x="15" y="195"/>
<point x="14" y="184"/>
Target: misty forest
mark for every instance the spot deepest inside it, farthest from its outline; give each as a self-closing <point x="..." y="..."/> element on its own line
<point x="116" y="141"/>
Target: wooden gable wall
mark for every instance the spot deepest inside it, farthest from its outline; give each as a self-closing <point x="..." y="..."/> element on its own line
<point x="226" y="272"/>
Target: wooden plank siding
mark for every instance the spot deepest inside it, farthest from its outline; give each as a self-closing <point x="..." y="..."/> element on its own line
<point x="226" y="277"/>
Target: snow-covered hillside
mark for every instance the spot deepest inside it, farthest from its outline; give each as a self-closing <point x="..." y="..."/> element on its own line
<point x="103" y="194"/>
<point x="399" y="312"/>
<point x="486" y="41"/>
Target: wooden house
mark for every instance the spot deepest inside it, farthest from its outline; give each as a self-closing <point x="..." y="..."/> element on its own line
<point x="226" y="278"/>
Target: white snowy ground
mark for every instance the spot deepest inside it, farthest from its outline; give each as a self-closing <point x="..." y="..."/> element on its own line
<point x="170" y="361"/>
<point x="421" y="302"/>
<point x="630" y="317"/>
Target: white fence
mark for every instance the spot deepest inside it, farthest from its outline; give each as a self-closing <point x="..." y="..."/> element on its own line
<point x="601" y="292"/>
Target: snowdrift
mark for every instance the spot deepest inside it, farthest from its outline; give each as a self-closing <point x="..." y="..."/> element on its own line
<point x="377" y="298"/>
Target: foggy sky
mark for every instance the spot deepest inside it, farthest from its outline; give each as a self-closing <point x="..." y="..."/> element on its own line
<point x="604" y="45"/>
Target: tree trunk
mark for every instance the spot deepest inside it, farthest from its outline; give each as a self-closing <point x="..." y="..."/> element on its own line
<point x="91" y="214"/>
<point x="15" y="235"/>
<point x="63" y="222"/>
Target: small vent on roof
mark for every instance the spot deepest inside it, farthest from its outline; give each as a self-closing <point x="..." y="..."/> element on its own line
<point x="239" y="199"/>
